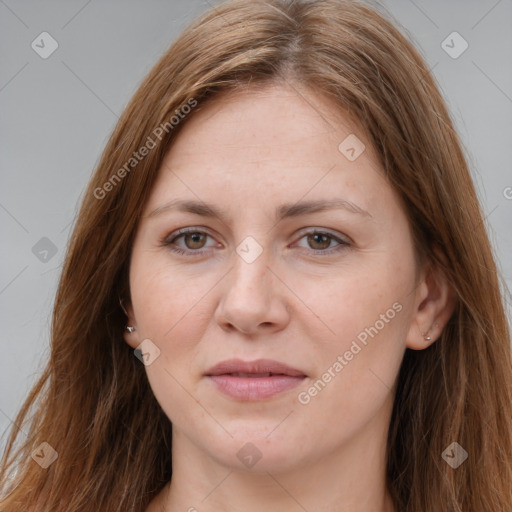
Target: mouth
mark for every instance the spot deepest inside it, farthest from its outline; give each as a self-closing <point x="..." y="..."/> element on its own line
<point x="254" y="380"/>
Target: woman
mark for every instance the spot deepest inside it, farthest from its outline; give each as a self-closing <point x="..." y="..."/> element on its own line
<point x="279" y="290"/>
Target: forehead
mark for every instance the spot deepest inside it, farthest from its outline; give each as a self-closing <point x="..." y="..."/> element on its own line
<point x="273" y="143"/>
<point x="264" y="119"/>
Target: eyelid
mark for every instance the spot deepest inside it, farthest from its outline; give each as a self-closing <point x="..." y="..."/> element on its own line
<point x="343" y="242"/>
<point x="169" y="239"/>
<point x="313" y="230"/>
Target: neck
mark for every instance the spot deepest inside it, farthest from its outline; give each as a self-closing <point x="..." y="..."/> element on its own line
<point x="348" y="479"/>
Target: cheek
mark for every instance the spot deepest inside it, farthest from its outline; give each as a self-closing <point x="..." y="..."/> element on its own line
<point x="358" y="365"/>
<point x="171" y="310"/>
<point x="165" y="298"/>
<point x="359" y="354"/>
<point x="344" y="304"/>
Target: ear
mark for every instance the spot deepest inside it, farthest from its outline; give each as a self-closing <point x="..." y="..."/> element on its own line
<point x="132" y="338"/>
<point x="433" y="306"/>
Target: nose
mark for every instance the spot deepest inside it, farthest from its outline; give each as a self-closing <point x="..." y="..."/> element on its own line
<point x="253" y="299"/>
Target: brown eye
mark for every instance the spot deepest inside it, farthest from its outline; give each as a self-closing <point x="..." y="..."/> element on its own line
<point x="189" y="242"/>
<point x="319" y="241"/>
<point x="195" y="240"/>
<point x="323" y="243"/>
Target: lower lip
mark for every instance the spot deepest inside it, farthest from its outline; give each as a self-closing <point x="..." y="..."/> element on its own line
<point x="254" y="388"/>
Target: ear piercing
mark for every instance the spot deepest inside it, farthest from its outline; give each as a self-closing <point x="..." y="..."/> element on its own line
<point x="130" y="329"/>
<point x="429" y="338"/>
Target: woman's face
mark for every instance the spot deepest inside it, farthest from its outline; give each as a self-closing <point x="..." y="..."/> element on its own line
<point x="273" y="242"/>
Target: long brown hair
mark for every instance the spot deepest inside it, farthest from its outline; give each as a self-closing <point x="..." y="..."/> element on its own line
<point x="93" y="403"/>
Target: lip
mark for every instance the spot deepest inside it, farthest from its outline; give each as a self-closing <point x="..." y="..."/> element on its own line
<point x="254" y="380"/>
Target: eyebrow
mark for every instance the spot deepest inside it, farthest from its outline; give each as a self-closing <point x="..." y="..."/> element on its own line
<point x="284" y="211"/>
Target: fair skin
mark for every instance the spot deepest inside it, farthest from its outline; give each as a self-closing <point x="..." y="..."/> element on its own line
<point x="303" y="301"/>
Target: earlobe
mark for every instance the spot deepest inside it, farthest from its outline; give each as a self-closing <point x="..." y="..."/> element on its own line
<point x="131" y="336"/>
<point x="434" y="306"/>
<point x="130" y="333"/>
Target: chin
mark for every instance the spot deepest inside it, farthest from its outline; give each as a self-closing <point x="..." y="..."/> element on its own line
<point x="253" y="449"/>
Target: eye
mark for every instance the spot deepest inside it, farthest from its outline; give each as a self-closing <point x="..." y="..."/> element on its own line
<point x="321" y="242"/>
<point x="193" y="240"/>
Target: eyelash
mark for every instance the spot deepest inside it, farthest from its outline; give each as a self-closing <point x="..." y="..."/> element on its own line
<point x="169" y="242"/>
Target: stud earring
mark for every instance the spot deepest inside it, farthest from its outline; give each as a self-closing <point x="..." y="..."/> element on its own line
<point x="130" y="329"/>
<point x="427" y="338"/>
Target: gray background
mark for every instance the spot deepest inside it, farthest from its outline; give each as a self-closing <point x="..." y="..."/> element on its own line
<point x="57" y="114"/>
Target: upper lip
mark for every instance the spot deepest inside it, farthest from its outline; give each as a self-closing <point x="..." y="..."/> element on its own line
<point x="258" y="366"/>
